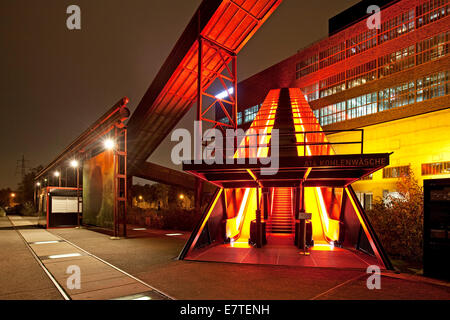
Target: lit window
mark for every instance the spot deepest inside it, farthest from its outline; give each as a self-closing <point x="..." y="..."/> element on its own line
<point x="369" y="177"/>
<point x="396" y="172"/>
<point x="250" y="113"/>
<point x="436" y="168"/>
<point x="224" y="120"/>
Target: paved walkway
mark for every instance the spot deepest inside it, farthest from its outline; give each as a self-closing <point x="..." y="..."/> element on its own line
<point x="152" y="258"/>
<point x="98" y="279"/>
<point x="115" y="268"/>
<point x="21" y="277"/>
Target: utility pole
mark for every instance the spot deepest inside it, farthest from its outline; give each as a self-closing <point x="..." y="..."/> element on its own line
<point x="21" y="167"/>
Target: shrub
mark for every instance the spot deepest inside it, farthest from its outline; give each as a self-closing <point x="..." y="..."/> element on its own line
<point x="28" y="209"/>
<point x="175" y="219"/>
<point x="179" y="219"/>
<point x="399" y="220"/>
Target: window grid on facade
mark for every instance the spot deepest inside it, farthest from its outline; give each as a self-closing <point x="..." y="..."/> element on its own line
<point x="429" y="87"/>
<point x="397" y="26"/>
<point x="432" y="86"/>
<point x="239" y="118"/>
<point x="396" y="61"/>
<point x="311" y="92"/>
<point x="333" y="113"/>
<point x="395" y="172"/>
<point x="361" y="74"/>
<point x="408" y="21"/>
<point x="427" y="50"/>
<point x="432" y="48"/>
<point x="224" y="120"/>
<point x="436" y="168"/>
<point x="250" y="113"/>
<point x="361" y="42"/>
<point x="431" y="11"/>
<point x="227" y="121"/>
<point x="362" y="106"/>
<point x="332" y="55"/>
<point x="397" y="96"/>
<point x="332" y="85"/>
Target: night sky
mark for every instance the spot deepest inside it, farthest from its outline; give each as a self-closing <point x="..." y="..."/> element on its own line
<point x="56" y="82"/>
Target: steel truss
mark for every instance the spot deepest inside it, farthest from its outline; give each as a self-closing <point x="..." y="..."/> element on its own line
<point x="206" y="77"/>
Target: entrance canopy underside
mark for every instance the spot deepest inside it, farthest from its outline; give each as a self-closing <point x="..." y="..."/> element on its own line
<point x="315" y="171"/>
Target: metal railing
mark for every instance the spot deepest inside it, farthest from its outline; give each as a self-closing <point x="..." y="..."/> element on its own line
<point x="312" y="139"/>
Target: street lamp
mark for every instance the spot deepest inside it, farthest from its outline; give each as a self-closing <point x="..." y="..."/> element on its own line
<point x="58" y="175"/>
<point x="36" y="190"/>
<point x="75" y="165"/>
<point x="181" y="196"/>
<point x="109" y="144"/>
<point x="13" y="195"/>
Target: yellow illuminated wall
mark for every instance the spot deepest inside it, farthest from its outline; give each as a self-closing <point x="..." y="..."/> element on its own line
<point x="413" y="141"/>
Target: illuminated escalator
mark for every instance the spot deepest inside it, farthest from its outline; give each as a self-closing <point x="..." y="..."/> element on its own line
<point x="281" y="219"/>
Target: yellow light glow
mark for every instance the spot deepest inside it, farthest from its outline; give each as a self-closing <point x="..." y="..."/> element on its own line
<point x="240" y="244"/>
<point x="241" y="209"/>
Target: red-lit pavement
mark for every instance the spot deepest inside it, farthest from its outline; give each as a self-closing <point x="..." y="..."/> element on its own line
<point x="150" y="256"/>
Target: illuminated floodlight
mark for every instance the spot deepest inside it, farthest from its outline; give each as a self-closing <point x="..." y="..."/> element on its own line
<point x="140" y="197"/>
<point x="181" y="196"/>
<point x="74" y="164"/>
<point x="38" y="184"/>
<point x="224" y="94"/>
<point x="109" y="144"/>
<point x="66" y="255"/>
<point x="13" y="195"/>
<point x="56" y="174"/>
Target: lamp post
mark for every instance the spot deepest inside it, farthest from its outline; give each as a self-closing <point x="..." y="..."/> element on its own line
<point x="74" y="164"/>
<point x="11" y="201"/>
<point x="36" y="188"/>
<point x="181" y="196"/>
<point x="58" y="175"/>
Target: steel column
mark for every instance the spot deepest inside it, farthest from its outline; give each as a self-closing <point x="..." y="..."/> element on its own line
<point x="258" y="221"/>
